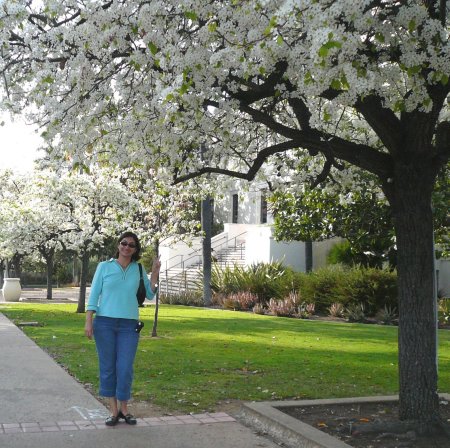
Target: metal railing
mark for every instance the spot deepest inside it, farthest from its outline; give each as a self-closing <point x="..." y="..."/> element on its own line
<point x="198" y="253"/>
<point x="194" y="258"/>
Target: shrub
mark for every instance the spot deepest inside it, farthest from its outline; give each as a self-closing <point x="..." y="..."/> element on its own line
<point x="229" y="303"/>
<point x="336" y="309"/>
<point x="444" y="311"/>
<point x="259" y="309"/>
<point x="341" y="253"/>
<point x="355" y="313"/>
<point x="238" y="301"/>
<point x="294" y="297"/>
<point x="387" y="315"/>
<point x="305" y="310"/>
<point x="311" y="308"/>
<point x="376" y="288"/>
<point x="266" y="280"/>
<point x="188" y="298"/>
<point x="319" y="286"/>
<point x="285" y="308"/>
<point x="217" y="299"/>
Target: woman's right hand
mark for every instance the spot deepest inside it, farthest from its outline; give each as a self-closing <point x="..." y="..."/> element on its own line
<point x="88" y="326"/>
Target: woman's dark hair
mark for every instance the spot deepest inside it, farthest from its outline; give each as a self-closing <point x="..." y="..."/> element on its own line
<point x="137" y="254"/>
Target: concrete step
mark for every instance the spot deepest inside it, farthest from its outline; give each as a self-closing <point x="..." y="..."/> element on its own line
<point x="178" y="279"/>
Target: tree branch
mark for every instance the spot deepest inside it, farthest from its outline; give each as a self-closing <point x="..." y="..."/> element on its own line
<point x="383" y="121"/>
<point x="258" y="92"/>
<point x="301" y="111"/>
<point x="262" y="156"/>
<point x="331" y="146"/>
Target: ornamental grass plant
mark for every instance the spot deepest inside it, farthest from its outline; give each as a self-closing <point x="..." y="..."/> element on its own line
<point x="376" y="289"/>
<point x="203" y="358"/>
<point x="266" y="280"/>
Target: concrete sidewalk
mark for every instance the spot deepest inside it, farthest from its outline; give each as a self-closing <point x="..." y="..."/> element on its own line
<point x="68" y="294"/>
<point x="64" y="294"/>
<point x="42" y="406"/>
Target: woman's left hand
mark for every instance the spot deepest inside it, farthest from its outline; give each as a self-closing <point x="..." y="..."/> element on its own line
<point x="156" y="266"/>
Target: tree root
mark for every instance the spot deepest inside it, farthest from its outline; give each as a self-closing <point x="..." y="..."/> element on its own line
<point x="399" y="427"/>
<point x="422" y="428"/>
<point x="410" y="435"/>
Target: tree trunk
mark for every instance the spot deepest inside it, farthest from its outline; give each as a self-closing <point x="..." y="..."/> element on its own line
<point x="17" y="261"/>
<point x="308" y="256"/>
<point x="207" y="265"/>
<point x="83" y="282"/>
<point x="155" y="319"/>
<point x="49" y="257"/>
<point x="75" y="273"/>
<point x="410" y="199"/>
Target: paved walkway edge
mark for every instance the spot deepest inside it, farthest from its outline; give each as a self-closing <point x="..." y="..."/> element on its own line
<point x="70" y="425"/>
<point x="266" y="417"/>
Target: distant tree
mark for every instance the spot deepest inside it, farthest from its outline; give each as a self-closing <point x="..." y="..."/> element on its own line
<point x="165" y="213"/>
<point x="357" y="211"/>
<point x="361" y="216"/>
<point x="34" y="221"/>
<point x="100" y="207"/>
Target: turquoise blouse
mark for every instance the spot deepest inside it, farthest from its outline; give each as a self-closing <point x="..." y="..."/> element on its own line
<point x="113" y="290"/>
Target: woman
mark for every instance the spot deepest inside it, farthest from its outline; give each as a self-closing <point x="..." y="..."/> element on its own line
<point x="115" y="327"/>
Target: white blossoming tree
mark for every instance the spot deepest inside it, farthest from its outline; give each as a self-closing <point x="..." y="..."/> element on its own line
<point x="166" y="213"/>
<point x="12" y="188"/>
<point x="99" y="206"/>
<point x="362" y="83"/>
<point x="33" y="221"/>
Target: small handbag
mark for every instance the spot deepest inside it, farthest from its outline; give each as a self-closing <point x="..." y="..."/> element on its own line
<point x="141" y="292"/>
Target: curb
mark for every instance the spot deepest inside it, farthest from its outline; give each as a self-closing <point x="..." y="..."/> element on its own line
<point x="81" y="425"/>
<point x="266" y="417"/>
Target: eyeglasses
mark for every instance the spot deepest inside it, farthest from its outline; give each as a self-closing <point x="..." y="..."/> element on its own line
<point x="126" y="243"/>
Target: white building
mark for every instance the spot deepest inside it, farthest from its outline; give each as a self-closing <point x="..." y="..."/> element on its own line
<point x="247" y="238"/>
<point x="248" y="233"/>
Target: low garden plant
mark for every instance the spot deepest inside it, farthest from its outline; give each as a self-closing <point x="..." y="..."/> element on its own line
<point x="188" y="298"/>
<point x="444" y="311"/>
<point x="238" y="301"/>
<point x="266" y="280"/>
<point x="205" y="357"/>
<point x="274" y="284"/>
<point x="336" y="309"/>
<point x="388" y="315"/>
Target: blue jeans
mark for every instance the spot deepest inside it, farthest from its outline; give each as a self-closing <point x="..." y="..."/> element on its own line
<point x="116" y="341"/>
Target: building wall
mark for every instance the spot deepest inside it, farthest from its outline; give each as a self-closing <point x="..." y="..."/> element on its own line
<point x="173" y="253"/>
<point x="261" y="247"/>
<point x="249" y="208"/>
<point x="257" y="244"/>
<point x="290" y="253"/>
<point x="320" y="251"/>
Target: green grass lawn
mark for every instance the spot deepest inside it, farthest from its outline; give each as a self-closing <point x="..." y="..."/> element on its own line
<point x="204" y="357"/>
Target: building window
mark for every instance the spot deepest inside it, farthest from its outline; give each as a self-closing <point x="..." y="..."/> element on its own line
<point x="263" y="215"/>
<point x="234" y="217"/>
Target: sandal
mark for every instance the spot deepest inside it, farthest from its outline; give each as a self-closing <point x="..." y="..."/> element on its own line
<point x="112" y="420"/>
<point x="129" y="419"/>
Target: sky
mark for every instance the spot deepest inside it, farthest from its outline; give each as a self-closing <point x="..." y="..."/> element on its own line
<point x="18" y="145"/>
